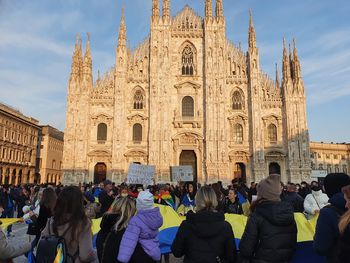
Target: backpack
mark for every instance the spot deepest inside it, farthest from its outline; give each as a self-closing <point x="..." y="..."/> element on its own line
<point x="53" y="246"/>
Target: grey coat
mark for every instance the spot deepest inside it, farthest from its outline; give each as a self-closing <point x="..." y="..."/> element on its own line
<point x="9" y="251"/>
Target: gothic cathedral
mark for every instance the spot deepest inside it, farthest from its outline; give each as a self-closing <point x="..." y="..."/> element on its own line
<point x="186" y="96"/>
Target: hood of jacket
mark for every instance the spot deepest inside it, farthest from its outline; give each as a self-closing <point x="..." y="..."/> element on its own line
<point x="277" y="213"/>
<point x="317" y="193"/>
<point x="338" y="201"/>
<point x="206" y="224"/>
<point x="151" y="218"/>
<point x="108" y="221"/>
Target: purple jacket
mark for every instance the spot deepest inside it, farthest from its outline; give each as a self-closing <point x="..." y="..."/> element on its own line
<point x="142" y="228"/>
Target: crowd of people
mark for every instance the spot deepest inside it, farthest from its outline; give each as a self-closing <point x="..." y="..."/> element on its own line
<point x="131" y="221"/>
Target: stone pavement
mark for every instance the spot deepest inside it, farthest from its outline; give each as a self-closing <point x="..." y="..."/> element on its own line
<point x="19" y="230"/>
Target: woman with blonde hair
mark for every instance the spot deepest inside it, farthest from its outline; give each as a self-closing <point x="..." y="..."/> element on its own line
<point x="205" y="236"/>
<point x="344" y="229"/>
<point x="113" y="226"/>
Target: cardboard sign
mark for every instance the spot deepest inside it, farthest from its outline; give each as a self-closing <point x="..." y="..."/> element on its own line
<point x="141" y="174"/>
<point x="182" y="173"/>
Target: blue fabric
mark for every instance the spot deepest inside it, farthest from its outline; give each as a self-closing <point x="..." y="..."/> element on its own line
<point x="241" y="198"/>
<point x="97" y="192"/>
<point x="306" y="254"/>
<point x="187" y="202"/>
<point x="31" y="257"/>
<point x="166" y="238"/>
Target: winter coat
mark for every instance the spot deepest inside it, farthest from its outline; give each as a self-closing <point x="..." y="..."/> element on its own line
<point x="83" y="246"/>
<point x="343" y="246"/>
<point x="233" y="208"/>
<point x="203" y="237"/>
<point x="327" y="232"/>
<point x="106" y="201"/>
<point x="44" y="214"/>
<point x="142" y="228"/>
<point x="315" y="201"/>
<point x="270" y="234"/>
<point x="295" y="200"/>
<point x="108" y="242"/>
<point x="14" y="250"/>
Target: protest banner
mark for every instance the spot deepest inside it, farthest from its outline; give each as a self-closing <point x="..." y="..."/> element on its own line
<point x="182" y="173"/>
<point x="141" y="174"/>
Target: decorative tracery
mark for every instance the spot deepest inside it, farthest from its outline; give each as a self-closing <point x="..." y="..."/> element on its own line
<point x="237" y="101"/>
<point x="187" y="61"/>
<point x="138" y="100"/>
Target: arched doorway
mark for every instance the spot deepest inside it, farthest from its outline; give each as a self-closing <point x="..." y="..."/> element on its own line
<point x="19" y="177"/>
<point x="189" y="158"/>
<point x="13" y="178"/>
<point x="7" y="176"/>
<point x="100" y="173"/>
<point x="274" y="168"/>
<point x="240" y="172"/>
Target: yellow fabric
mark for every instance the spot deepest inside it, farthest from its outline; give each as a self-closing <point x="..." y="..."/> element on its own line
<point x="6" y="222"/>
<point x="170" y="217"/>
<point x="238" y="223"/>
<point x="246" y="208"/>
<point x="59" y="255"/>
<point x="95" y="226"/>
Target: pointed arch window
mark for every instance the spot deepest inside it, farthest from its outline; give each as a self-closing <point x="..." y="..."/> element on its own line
<point x="138" y="100"/>
<point x="238" y="134"/>
<point x="137" y="133"/>
<point x="102" y="132"/>
<point x="187" y="107"/>
<point x="237" y="101"/>
<point x="187" y="61"/>
<point x="272" y="133"/>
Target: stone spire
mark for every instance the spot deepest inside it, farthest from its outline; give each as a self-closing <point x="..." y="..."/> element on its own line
<point x="251" y="33"/>
<point x="285" y="63"/>
<point x="219" y="11"/>
<point x="76" y="58"/>
<point x="277" y="78"/>
<point x="87" y="64"/>
<point x="155" y="9"/>
<point x="166" y="9"/>
<point x="208" y="10"/>
<point x="122" y="31"/>
<point x="296" y="68"/>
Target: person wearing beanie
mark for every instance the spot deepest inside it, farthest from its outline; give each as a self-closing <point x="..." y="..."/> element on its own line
<point x="143" y="229"/>
<point x="271" y="232"/>
<point x="327" y="231"/>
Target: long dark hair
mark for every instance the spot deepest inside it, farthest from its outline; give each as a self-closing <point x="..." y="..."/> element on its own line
<point x="69" y="209"/>
<point x="48" y="199"/>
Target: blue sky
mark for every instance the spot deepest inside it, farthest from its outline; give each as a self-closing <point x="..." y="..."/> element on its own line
<point x="37" y="40"/>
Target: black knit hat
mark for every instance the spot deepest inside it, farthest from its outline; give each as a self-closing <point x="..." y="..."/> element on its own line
<point x="334" y="182"/>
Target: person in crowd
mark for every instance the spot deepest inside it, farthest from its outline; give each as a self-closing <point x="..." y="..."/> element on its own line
<point x="142" y="228"/>
<point x="343" y="246"/>
<point x="271" y="232"/>
<point x="304" y="189"/>
<point x="8" y="206"/>
<point x="91" y="207"/>
<point x="113" y="227"/>
<point x="22" y="200"/>
<point x="96" y="191"/>
<point x="252" y="191"/>
<point x="123" y="191"/>
<point x="9" y="251"/>
<point x="187" y="200"/>
<point x="315" y="201"/>
<point x="106" y="197"/>
<point x="293" y="198"/>
<point x="47" y="205"/>
<point x="205" y="236"/>
<point x="220" y="196"/>
<point x="70" y="222"/>
<point x="231" y="204"/>
<point x="327" y="231"/>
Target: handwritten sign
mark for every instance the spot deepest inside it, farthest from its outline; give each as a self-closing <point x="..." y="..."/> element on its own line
<point x="141" y="174"/>
<point x="182" y="173"/>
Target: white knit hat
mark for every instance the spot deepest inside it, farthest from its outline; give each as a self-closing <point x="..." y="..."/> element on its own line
<point x="145" y="200"/>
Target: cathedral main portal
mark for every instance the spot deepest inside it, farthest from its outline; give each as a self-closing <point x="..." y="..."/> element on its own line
<point x="189" y="158"/>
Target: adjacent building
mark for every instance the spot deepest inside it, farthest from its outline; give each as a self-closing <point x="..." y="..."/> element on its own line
<point x="50" y="148"/>
<point x="18" y="142"/>
<point x="186" y="96"/>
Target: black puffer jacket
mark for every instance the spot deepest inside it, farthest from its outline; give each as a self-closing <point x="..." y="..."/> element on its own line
<point x="270" y="234"/>
<point x="204" y="236"/>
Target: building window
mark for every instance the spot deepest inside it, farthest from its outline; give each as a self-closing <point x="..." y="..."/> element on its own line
<point x="272" y="132"/>
<point x="343" y="157"/>
<point x="187" y="107"/>
<point x="238" y="134"/>
<point x="328" y="156"/>
<point x="319" y="156"/>
<point x="312" y="165"/>
<point x="320" y="166"/>
<point x="102" y="132"/>
<point x="329" y="168"/>
<point x="187" y="61"/>
<point x="335" y="156"/>
<point x="336" y="169"/>
<point x="53" y="164"/>
<point x="137" y="132"/>
<point x="138" y="100"/>
<point x="345" y="169"/>
<point x="237" y="101"/>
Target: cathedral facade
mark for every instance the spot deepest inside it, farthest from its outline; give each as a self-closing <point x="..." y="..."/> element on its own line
<point x="186" y="96"/>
